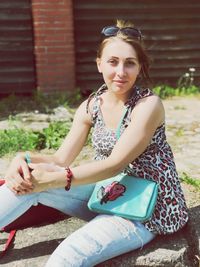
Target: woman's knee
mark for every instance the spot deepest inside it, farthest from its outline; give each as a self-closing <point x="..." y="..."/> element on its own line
<point x="14" y="205"/>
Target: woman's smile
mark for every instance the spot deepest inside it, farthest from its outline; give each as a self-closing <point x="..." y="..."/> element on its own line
<point x="120" y="83"/>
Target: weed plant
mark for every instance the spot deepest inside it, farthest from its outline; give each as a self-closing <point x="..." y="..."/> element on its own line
<point x="185" y="86"/>
<point x="14" y="140"/>
<point x="165" y="91"/>
<point x="17" y="139"/>
<point x="54" y="134"/>
<point x="191" y="181"/>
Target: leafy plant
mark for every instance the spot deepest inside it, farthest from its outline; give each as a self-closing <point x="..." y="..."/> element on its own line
<point x="55" y="134"/>
<point x="14" y="140"/>
<point x="185" y="86"/>
<point x="191" y="181"/>
<point x="165" y="91"/>
<point x="187" y="79"/>
<point x="19" y="140"/>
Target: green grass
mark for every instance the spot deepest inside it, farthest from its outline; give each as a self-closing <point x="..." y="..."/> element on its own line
<point x="179" y="107"/>
<point x="17" y="139"/>
<point x="191" y="181"/>
<point x="165" y="91"/>
<point x="179" y="132"/>
<point x="55" y="133"/>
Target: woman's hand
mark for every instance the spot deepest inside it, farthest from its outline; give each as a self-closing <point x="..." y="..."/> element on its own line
<point x="18" y="176"/>
<point x="48" y="167"/>
<point x="43" y="176"/>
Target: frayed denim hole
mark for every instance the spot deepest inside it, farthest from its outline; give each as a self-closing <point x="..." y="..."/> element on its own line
<point x="125" y="230"/>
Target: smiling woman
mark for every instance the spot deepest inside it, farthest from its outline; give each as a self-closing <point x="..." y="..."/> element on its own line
<point x="125" y="32"/>
<point x="128" y="136"/>
<point x="119" y="66"/>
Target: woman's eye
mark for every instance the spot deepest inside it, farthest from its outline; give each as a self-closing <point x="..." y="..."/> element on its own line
<point x="130" y="63"/>
<point x="112" y="62"/>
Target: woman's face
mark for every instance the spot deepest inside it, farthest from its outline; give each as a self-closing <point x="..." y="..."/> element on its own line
<point x="119" y="66"/>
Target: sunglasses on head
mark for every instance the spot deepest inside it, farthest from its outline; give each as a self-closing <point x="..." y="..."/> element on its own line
<point x="129" y="31"/>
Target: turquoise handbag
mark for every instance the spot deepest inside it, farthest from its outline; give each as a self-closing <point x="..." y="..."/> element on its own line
<point x="123" y="195"/>
<point x="126" y="196"/>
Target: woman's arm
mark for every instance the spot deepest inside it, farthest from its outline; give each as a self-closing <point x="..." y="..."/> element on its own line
<point x="147" y="116"/>
<point x="72" y="144"/>
<point x="76" y="138"/>
<point x="18" y="174"/>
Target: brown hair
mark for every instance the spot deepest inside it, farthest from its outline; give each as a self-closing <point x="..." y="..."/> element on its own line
<point x="138" y="46"/>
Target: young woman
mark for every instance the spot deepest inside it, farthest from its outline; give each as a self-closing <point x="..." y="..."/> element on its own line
<point x="142" y="151"/>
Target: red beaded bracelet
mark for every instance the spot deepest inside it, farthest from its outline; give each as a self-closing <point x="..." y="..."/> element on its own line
<point x="69" y="176"/>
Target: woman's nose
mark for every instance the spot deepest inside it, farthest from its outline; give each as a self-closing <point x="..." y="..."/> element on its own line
<point x="121" y="70"/>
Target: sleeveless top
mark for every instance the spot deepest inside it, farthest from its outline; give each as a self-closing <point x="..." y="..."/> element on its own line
<point x="155" y="163"/>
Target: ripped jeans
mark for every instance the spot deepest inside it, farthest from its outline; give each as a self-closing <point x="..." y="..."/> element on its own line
<point x="102" y="238"/>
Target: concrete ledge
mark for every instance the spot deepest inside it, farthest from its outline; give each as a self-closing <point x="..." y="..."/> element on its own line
<point x="163" y="251"/>
<point x="33" y="246"/>
<point x="178" y="250"/>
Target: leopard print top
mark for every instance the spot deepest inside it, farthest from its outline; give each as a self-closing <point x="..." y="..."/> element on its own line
<point x="155" y="163"/>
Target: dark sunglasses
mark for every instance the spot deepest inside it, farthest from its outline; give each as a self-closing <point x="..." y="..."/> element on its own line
<point x="129" y="31"/>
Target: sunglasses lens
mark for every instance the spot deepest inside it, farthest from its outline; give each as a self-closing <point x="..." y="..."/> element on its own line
<point x="129" y="31"/>
<point x="110" y="30"/>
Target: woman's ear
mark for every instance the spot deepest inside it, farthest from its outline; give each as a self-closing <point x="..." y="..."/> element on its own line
<point x="98" y="61"/>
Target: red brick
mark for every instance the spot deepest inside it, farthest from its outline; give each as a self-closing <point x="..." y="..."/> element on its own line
<point x="54" y="44"/>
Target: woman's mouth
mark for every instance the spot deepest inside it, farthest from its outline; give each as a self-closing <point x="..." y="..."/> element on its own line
<point x="119" y="81"/>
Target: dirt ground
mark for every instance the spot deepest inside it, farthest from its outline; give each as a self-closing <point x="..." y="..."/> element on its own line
<point x="183" y="132"/>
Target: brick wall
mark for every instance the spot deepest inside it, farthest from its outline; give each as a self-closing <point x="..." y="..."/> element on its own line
<point x="54" y="45"/>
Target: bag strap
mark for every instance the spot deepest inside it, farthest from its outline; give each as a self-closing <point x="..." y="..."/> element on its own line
<point x="11" y="234"/>
<point x="2" y="181"/>
<point x="8" y="242"/>
<point x="120" y="123"/>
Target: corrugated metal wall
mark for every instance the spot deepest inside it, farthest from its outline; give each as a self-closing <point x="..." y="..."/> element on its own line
<point x="17" y="71"/>
<point x="171" y="30"/>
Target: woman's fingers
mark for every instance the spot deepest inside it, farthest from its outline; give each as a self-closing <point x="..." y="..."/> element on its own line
<point x="26" y="170"/>
<point x="18" y="184"/>
<point x="20" y="167"/>
<point x="32" y="166"/>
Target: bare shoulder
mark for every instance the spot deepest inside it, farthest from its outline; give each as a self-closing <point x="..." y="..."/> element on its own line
<point x="84" y="111"/>
<point x="150" y="102"/>
<point x="150" y="106"/>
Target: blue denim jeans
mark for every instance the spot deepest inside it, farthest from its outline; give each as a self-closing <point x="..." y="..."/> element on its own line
<point x="102" y="238"/>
